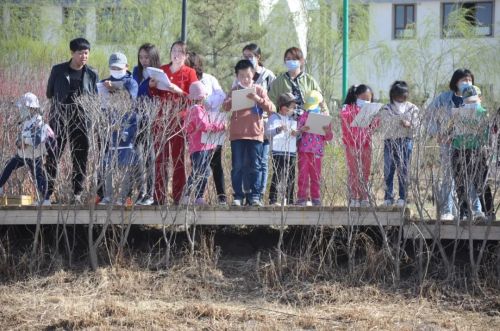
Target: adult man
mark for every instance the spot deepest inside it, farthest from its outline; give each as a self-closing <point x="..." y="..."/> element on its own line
<point x="67" y="81"/>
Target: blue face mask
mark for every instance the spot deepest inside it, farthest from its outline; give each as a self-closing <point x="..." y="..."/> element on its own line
<point x="360" y="102"/>
<point x="292" y="64"/>
<point x="463" y="85"/>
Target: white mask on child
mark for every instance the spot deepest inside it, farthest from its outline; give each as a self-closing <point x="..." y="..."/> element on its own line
<point x="118" y="74"/>
<point x="361" y="102"/>
<point x="400" y="106"/>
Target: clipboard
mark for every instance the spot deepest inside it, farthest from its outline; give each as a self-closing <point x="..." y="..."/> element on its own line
<point x="366" y="115"/>
<point x="316" y="122"/>
<point x="160" y="76"/>
<point x="240" y="101"/>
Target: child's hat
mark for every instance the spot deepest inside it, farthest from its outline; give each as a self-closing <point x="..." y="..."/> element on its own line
<point x="285" y="99"/>
<point x="471" y="93"/>
<point x="28" y="100"/>
<point x="118" y="60"/>
<point x="312" y="100"/>
<point x="197" y="91"/>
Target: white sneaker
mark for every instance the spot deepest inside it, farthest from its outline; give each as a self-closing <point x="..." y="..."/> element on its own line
<point x="236" y="203"/>
<point x="105" y="201"/>
<point x="388" y="203"/>
<point x="364" y="204"/>
<point x="447" y="217"/>
<point x="478" y="216"/>
<point x="46" y="202"/>
<point x="401" y="203"/>
<point x="354" y="203"/>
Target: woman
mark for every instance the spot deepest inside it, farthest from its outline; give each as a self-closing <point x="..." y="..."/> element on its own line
<point x="147" y="56"/>
<point x="439" y="116"/>
<point x="213" y="102"/>
<point x="167" y="133"/>
<point x="263" y="77"/>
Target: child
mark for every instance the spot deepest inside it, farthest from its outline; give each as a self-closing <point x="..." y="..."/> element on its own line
<point x="469" y="163"/>
<point x="400" y="119"/>
<point x="311" y="150"/>
<point x="197" y="123"/>
<point x="357" y="142"/>
<point x="120" y="155"/>
<point x="282" y="130"/>
<point x="30" y="145"/>
<point x="247" y="134"/>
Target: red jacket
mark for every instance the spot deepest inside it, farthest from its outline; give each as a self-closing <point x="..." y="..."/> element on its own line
<point x="354" y="136"/>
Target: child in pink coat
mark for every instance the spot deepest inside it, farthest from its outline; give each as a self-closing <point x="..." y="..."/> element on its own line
<point x="357" y="141"/>
<point x="311" y="148"/>
<point x="197" y="123"/>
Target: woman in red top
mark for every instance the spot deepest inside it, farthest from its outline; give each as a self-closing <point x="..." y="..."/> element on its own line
<point x="168" y="136"/>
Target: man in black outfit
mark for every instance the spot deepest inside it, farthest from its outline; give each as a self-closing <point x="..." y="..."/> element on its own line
<point x="68" y="81"/>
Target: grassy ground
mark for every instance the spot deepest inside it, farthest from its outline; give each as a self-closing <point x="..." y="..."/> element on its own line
<point x="199" y="296"/>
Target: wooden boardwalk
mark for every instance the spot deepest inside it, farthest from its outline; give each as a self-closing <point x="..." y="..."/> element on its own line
<point x="237" y="216"/>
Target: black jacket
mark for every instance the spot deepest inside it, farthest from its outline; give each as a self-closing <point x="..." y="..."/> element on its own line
<point x="58" y="84"/>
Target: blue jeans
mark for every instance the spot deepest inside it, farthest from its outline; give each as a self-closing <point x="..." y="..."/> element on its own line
<point x="36" y="169"/>
<point x="397" y="155"/>
<point x="200" y="171"/>
<point x="263" y="171"/>
<point x="246" y="162"/>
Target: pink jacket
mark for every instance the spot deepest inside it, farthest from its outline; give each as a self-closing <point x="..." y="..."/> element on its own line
<point x="197" y="122"/>
<point x="310" y="142"/>
<point x="353" y="136"/>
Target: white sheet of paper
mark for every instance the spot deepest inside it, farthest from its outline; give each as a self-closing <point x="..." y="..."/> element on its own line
<point x="160" y="76"/>
<point x="215" y="138"/>
<point x="102" y="90"/>
<point x="316" y="122"/>
<point x="366" y="114"/>
<point x="240" y="101"/>
<point x="284" y="141"/>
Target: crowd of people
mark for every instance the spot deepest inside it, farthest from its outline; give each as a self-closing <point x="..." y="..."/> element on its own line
<point x="199" y="114"/>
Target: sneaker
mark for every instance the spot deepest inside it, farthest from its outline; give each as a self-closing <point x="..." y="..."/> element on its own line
<point x="46" y="202"/>
<point x="256" y="203"/>
<point x="478" y="216"/>
<point x="76" y="200"/>
<point x="388" y="203"/>
<point x="184" y="201"/>
<point x="200" y="202"/>
<point x="145" y="201"/>
<point x="401" y="203"/>
<point x="97" y="200"/>
<point x="316" y="202"/>
<point x="127" y="202"/>
<point x="236" y="203"/>
<point x="104" y="201"/>
<point x="222" y="203"/>
<point x="364" y="204"/>
<point x="354" y="203"/>
<point x="447" y="217"/>
<point x="301" y="202"/>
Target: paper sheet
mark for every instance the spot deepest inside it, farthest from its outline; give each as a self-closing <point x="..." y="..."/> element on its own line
<point x="366" y="114"/>
<point x="240" y="101"/>
<point x="284" y="141"/>
<point x="215" y="138"/>
<point x="316" y="122"/>
<point x="160" y="76"/>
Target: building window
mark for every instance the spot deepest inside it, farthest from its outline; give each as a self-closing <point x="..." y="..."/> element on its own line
<point x="404" y="21"/>
<point x="467" y="19"/>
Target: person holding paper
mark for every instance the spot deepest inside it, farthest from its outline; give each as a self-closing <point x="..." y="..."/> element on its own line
<point x="68" y="119"/>
<point x="357" y="142"/>
<point x="282" y="130"/>
<point x="311" y="148"/>
<point x="401" y="121"/>
<point x="246" y="134"/>
<point x="197" y="123"/>
<point x="213" y="103"/>
<point x="168" y="136"/>
<point x="469" y="160"/>
<point x="147" y="56"/>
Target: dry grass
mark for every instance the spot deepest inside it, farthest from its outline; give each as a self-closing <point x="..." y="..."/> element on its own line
<point x="194" y="295"/>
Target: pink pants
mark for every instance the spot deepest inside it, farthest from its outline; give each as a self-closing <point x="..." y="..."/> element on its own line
<point x="359" y="160"/>
<point x="309" y="175"/>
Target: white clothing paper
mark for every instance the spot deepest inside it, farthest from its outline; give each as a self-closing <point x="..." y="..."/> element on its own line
<point x="214" y="138"/>
<point x="160" y="76"/>
<point x="316" y="122"/>
<point x="284" y="141"/>
<point x="240" y="101"/>
<point x="366" y="115"/>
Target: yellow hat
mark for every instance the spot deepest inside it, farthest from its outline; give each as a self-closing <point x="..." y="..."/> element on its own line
<point x="312" y="100"/>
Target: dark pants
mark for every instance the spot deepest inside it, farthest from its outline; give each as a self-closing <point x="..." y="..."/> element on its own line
<point x="246" y="160"/>
<point x="470" y="170"/>
<point x="283" y="179"/>
<point x="218" y="173"/>
<point x="200" y="171"/>
<point x="36" y="169"/>
<point x="69" y="123"/>
<point x="397" y="155"/>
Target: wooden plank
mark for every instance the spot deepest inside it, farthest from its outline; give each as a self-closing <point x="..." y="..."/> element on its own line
<point x="452" y="230"/>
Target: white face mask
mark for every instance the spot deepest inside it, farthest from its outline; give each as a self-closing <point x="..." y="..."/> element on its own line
<point x="361" y="102"/>
<point x="400" y="106"/>
<point x="118" y="74"/>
